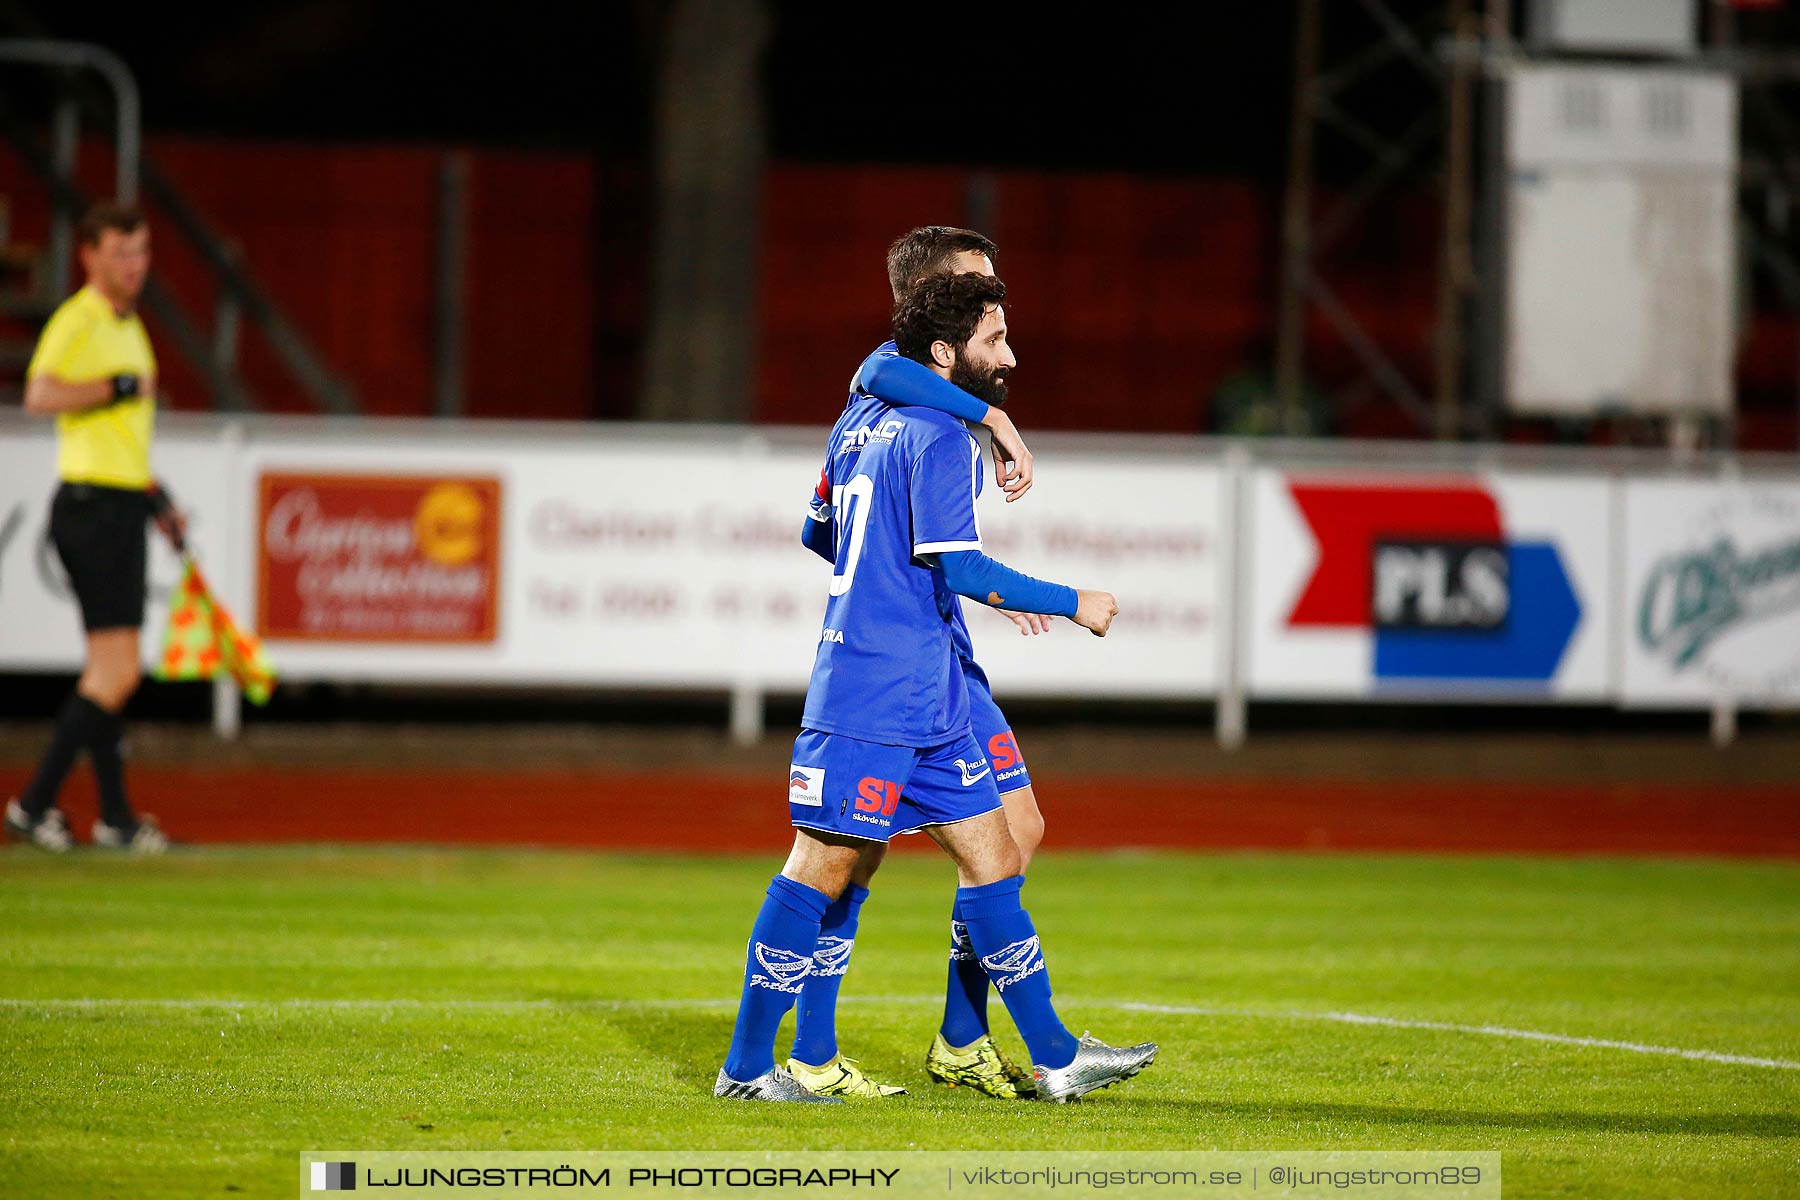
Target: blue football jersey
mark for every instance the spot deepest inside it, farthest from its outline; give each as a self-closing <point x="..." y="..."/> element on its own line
<point x="961" y="642"/>
<point x="898" y="483"/>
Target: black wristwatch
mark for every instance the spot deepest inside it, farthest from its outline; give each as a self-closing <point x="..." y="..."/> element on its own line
<point x="124" y="387"/>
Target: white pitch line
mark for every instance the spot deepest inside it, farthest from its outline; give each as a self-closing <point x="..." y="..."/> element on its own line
<point x="1183" y="1010"/>
<point x="1500" y="1031"/>
<point x="360" y="1002"/>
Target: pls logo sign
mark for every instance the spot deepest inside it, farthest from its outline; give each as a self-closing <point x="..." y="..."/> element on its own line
<point x="1432" y="574"/>
<point x="378" y="558"/>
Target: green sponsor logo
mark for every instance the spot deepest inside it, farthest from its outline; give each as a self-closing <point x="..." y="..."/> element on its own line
<point x="1691" y="599"/>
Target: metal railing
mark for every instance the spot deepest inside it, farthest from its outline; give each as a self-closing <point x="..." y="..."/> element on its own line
<point x="127" y="122"/>
<point x="240" y="296"/>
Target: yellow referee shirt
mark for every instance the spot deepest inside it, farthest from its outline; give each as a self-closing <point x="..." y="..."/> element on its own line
<point x="86" y="341"/>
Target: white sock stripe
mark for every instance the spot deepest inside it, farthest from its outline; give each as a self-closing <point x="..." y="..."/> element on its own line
<point x="179" y="1004"/>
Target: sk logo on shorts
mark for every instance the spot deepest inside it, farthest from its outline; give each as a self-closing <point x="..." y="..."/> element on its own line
<point x="878" y="796"/>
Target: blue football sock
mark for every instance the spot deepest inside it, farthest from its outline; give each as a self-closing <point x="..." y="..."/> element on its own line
<point x="776" y="965"/>
<point x="815" y="1027"/>
<point x="1003" y="936"/>
<point x="966" y="994"/>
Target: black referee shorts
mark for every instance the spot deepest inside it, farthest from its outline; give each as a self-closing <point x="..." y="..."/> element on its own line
<point x="100" y="535"/>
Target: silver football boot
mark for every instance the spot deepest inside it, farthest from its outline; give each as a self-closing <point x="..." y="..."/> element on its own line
<point x="1096" y="1065"/>
<point x="775" y="1084"/>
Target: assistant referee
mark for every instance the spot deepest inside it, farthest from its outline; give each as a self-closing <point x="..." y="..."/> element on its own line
<point x="94" y="369"/>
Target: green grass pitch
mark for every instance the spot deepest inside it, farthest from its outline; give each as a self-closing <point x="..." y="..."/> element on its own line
<point x="185" y="1027"/>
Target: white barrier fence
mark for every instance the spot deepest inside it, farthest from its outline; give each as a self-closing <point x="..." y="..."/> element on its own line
<point x="645" y="557"/>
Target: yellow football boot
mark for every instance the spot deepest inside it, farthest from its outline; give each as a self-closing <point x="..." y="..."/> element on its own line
<point x="981" y="1066"/>
<point x="842" y="1077"/>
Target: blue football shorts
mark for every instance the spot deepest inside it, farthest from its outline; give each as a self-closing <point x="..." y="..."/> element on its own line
<point x="993" y="734"/>
<point x="842" y="785"/>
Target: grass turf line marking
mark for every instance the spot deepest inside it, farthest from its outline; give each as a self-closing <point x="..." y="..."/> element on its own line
<point x="1179" y="1010"/>
<point x="364" y="1002"/>
<point x="1500" y="1031"/>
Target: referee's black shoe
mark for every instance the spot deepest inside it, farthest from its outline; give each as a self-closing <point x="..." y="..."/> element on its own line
<point x="48" y="832"/>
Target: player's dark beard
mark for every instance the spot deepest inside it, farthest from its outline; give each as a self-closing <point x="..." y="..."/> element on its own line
<point x="989" y="386"/>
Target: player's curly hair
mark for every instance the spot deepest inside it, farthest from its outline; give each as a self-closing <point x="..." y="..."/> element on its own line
<point x="927" y="250"/>
<point x="944" y="308"/>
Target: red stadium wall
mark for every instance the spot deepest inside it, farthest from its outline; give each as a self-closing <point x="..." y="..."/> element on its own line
<point x="343" y="238"/>
<point x="1133" y="297"/>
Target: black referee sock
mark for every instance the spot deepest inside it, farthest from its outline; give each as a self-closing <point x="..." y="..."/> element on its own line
<point x="76" y="727"/>
<point x="107" y="749"/>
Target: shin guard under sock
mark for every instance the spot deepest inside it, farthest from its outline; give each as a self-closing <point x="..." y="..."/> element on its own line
<point x="815" y="1022"/>
<point x="1007" y="943"/>
<point x="966" y="990"/>
<point x="778" y="960"/>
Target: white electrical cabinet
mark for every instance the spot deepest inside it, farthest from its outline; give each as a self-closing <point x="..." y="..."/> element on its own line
<point x="1619" y="240"/>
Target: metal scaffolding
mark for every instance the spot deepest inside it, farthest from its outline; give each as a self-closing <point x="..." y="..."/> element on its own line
<point x="1368" y="38"/>
<point x="1454" y="145"/>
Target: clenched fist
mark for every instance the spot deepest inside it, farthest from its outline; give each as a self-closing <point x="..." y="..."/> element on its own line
<point x="1094" y="611"/>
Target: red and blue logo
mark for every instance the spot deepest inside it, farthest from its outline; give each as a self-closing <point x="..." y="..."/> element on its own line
<point x="1430" y="570"/>
<point x="797" y="780"/>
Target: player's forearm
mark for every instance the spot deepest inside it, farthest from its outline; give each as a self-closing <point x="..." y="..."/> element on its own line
<point x="973" y="574"/>
<point x="820" y="537"/>
<point x="48" y="394"/>
<point x="903" y="382"/>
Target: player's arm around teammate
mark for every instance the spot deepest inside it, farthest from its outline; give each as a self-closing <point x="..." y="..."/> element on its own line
<point x="914" y="257"/>
<point x="94" y="371"/>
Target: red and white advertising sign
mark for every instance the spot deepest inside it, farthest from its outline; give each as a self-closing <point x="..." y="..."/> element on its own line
<point x="378" y="558"/>
<point x="668" y="559"/>
<point x="1482" y="586"/>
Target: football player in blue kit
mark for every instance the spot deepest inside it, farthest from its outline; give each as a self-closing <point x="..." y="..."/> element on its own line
<point x="886" y="745"/>
<point x="963" y="1051"/>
